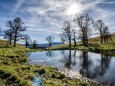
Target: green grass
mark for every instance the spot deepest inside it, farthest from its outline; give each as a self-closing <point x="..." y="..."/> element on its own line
<point x="94" y="45"/>
<point x="14" y="69"/>
<point x="97" y="39"/>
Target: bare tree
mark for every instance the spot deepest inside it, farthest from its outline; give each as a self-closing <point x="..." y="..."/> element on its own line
<point x="35" y="43"/>
<point x="27" y="39"/>
<point x="106" y="34"/>
<point x="62" y="39"/>
<point x="8" y="34"/>
<point x="99" y="25"/>
<point x="74" y="36"/>
<point x="16" y="26"/>
<point x="49" y="39"/>
<point x="67" y="31"/>
<point x="84" y="21"/>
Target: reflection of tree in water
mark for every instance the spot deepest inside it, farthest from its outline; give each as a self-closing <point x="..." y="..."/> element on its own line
<point x="104" y="65"/>
<point x="49" y="53"/>
<point x="68" y="59"/>
<point x="85" y="69"/>
<point x="74" y="56"/>
<point x="97" y="70"/>
<point x="63" y="52"/>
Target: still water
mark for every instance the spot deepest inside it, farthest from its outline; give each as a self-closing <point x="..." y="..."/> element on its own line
<point x="91" y="65"/>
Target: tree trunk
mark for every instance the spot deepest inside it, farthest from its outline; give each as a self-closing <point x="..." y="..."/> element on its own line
<point x="74" y="41"/>
<point x="10" y="40"/>
<point x="49" y="44"/>
<point x="84" y="40"/>
<point x="7" y="42"/>
<point x="70" y="42"/>
<point x="101" y="37"/>
<point x="26" y="44"/>
<point x="15" y="39"/>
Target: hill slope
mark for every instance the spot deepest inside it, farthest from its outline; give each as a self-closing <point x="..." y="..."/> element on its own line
<point x="94" y="45"/>
<point x="97" y="39"/>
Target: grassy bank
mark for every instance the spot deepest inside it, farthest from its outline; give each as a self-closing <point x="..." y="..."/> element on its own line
<point x="15" y="70"/>
<point x="94" y="45"/>
<point x="107" y="48"/>
<point x="99" y="46"/>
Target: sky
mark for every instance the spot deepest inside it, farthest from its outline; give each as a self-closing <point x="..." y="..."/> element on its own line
<point x="45" y="17"/>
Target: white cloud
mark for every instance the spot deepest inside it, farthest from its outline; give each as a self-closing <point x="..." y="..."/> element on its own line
<point x="49" y="16"/>
<point x="106" y="2"/>
<point x="18" y="5"/>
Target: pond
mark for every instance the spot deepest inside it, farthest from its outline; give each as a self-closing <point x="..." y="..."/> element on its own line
<point x="91" y="65"/>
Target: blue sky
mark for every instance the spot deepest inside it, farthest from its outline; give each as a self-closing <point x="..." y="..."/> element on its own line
<point x="45" y="17"/>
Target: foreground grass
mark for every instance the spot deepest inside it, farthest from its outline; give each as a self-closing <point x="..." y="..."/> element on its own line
<point x="15" y="70"/>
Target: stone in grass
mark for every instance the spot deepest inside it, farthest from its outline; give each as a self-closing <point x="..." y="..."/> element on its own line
<point x="53" y="76"/>
<point x="61" y="76"/>
<point x="83" y="84"/>
<point x="41" y="72"/>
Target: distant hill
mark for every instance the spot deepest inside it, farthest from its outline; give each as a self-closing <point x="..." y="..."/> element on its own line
<point x="46" y="44"/>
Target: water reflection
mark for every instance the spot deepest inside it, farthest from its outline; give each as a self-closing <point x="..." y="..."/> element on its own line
<point x="91" y="70"/>
<point x="68" y="61"/>
<point x="37" y="81"/>
<point x="91" y="65"/>
<point x="74" y="56"/>
<point x="49" y="53"/>
<point x="84" y="64"/>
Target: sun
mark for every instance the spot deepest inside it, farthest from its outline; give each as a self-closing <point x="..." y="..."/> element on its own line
<point x="74" y="9"/>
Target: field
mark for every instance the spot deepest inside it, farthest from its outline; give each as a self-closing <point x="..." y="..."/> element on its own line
<point x="94" y="46"/>
<point x="15" y="71"/>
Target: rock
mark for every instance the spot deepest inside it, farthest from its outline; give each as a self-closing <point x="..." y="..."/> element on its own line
<point x="41" y="72"/>
<point x="53" y="76"/>
<point x="84" y="85"/>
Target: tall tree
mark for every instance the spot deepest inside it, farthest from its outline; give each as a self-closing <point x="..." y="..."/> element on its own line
<point x="8" y="34"/>
<point x="67" y="31"/>
<point x="106" y="34"/>
<point x="74" y="36"/>
<point x="49" y="39"/>
<point x="84" y="21"/>
<point x="68" y="62"/>
<point x="99" y="25"/>
<point x="62" y="39"/>
<point x="35" y="43"/>
<point x="27" y="39"/>
<point x="17" y="26"/>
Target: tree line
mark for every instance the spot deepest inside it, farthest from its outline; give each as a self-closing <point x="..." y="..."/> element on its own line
<point x="14" y="34"/>
<point x="84" y="22"/>
<point x="86" y="25"/>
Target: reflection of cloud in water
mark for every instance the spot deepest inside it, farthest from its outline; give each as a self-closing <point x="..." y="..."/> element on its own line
<point x="109" y="74"/>
<point x="90" y="64"/>
<point x="37" y="81"/>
